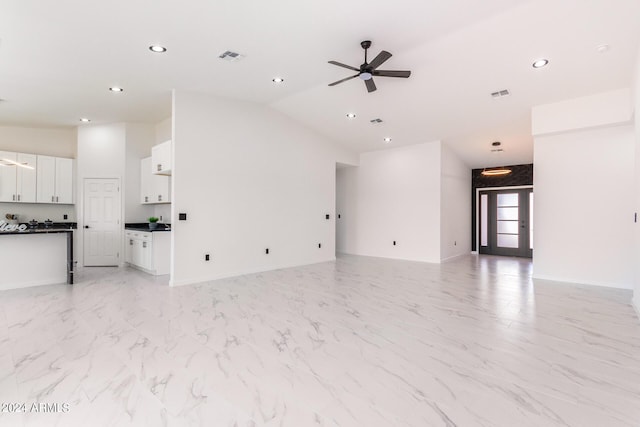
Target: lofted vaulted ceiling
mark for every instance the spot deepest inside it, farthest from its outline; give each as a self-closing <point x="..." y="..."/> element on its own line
<point x="58" y="59"/>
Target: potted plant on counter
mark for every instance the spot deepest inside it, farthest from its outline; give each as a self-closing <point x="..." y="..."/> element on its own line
<point x="153" y="223"/>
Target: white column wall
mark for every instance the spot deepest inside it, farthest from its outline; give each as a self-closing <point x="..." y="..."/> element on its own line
<point x="248" y="178"/>
<point x="636" y="106"/>
<point x="101" y="154"/>
<point x="393" y="195"/>
<point x="584" y="204"/>
<point x="455" y="216"/>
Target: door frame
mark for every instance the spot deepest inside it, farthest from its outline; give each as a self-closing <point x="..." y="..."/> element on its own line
<point x="478" y="190"/>
<point x="80" y="220"/>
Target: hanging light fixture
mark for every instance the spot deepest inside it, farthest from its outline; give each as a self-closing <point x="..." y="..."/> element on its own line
<point x="500" y="171"/>
<point x="496" y="171"/>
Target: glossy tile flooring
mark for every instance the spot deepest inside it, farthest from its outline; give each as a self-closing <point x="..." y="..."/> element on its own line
<point x="357" y="342"/>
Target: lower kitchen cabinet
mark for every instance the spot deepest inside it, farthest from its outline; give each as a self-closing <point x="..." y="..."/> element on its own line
<point x="147" y="251"/>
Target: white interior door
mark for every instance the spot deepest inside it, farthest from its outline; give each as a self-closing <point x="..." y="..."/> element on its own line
<point x="102" y="227"/>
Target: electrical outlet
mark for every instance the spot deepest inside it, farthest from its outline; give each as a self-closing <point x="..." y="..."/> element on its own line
<point x="206" y="257"/>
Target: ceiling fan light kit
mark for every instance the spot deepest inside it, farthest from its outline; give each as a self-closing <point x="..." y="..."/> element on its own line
<point x="368" y="70"/>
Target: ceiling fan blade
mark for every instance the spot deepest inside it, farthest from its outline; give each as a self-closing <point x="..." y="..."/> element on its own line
<point x="371" y="86"/>
<point x="339" y="64"/>
<point x="343" y="80"/>
<point x="391" y="73"/>
<point x="378" y="60"/>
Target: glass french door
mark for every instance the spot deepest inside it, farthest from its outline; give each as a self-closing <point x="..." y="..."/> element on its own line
<point x="506" y="222"/>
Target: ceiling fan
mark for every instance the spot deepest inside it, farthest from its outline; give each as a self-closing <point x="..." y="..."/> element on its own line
<point x="367" y="71"/>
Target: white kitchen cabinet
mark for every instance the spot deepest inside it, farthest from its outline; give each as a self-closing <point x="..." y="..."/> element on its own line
<point x="148" y="251"/>
<point x="17" y="184"/>
<point x="55" y="180"/>
<point x="64" y="180"/>
<point x="161" y="159"/>
<point x="153" y="188"/>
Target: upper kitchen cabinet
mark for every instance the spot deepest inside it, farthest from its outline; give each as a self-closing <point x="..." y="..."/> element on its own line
<point x="55" y="180"/>
<point x="161" y="159"/>
<point x="17" y="177"/>
<point x="153" y="188"/>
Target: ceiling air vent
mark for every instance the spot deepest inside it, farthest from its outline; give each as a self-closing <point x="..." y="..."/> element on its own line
<point x="230" y="56"/>
<point x="375" y="121"/>
<point x="500" y="94"/>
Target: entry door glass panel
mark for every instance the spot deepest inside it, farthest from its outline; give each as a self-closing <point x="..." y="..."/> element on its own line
<point x="507" y="222"/>
<point x="484" y="222"/>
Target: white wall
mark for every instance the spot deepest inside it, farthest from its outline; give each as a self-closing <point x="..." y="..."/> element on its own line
<point x="602" y="109"/>
<point x="397" y="194"/>
<point x="249" y="178"/>
<point x="139" y="140"/>
<point x="636" y="105"/>
<point x="164" y="129"/>
<point x="455" y="209"/>
<point x="583" y="209"/>
<point x="59" y="142"/>
<point x="347" y="208"/>
<point x="101" y="154"/>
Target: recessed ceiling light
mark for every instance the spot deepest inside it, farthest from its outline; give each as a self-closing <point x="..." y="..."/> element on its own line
<point x="541" y="63"/>
<point x="351" y="115"/>
<point x="157" y="48"/>
<point x="277" y="79"/>
<point x="116" y="89"/>
<point x="85" y="120"/>
<point x="387" y="139"/>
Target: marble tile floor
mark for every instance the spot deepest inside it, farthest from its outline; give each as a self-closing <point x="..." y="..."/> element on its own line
<point x="357" y="342"/>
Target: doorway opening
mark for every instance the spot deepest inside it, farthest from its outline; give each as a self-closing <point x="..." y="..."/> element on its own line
<point x="505" y="221"/>
<point x="346" y="208"/>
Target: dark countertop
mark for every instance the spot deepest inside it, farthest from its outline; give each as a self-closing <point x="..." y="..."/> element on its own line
<point x="144" y="226"/>
<point x="56" y="227"/>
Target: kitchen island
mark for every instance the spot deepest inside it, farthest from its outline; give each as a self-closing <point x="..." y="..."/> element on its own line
<point x="41" y="255"/>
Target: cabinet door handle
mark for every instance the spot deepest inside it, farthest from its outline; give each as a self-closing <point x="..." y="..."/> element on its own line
<point x="144" y="244"/>
<point x="159" y="167"/>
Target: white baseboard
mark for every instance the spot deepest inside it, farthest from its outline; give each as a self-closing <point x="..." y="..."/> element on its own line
<point x="580" y="282"/>
<point x="451" y="258"/>
<point x="196" y="280"/>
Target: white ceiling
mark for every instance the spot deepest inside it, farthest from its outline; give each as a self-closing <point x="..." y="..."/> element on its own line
<point x="58" y="59"/>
